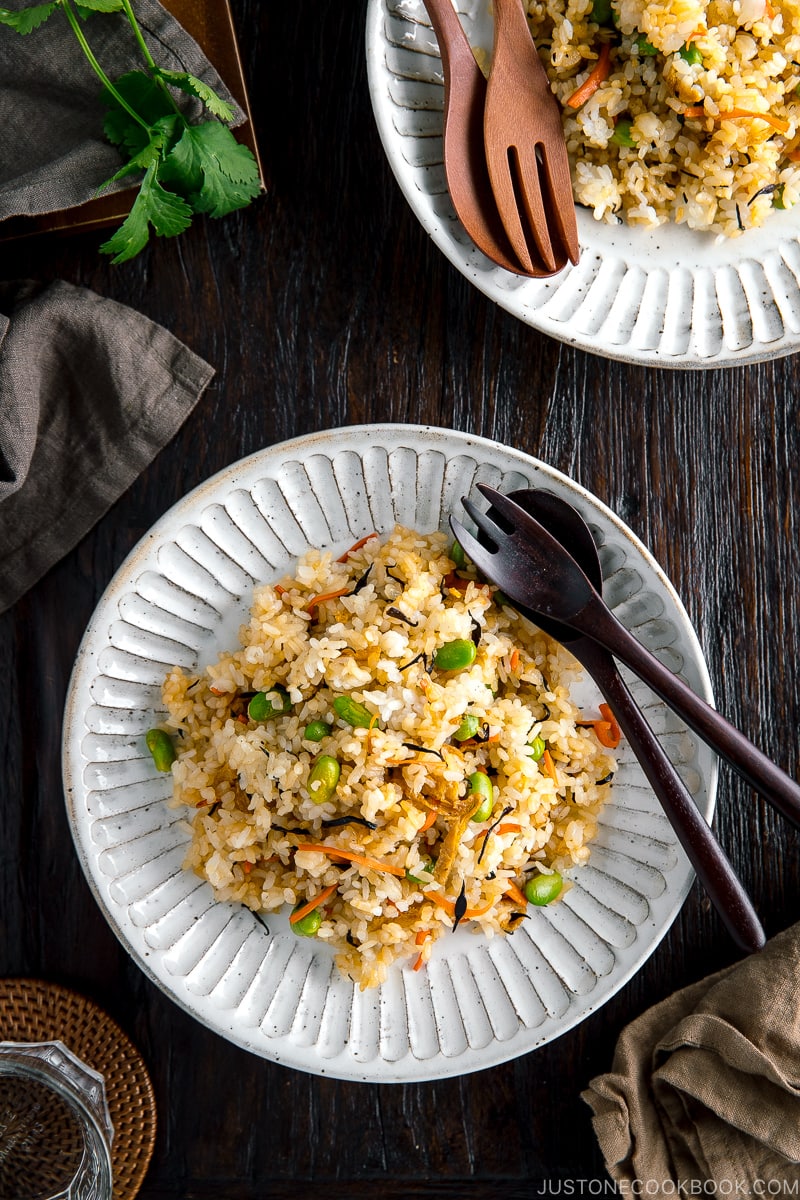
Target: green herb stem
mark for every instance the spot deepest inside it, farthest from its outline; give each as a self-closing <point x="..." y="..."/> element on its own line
<point x="95" y="65"/>
<point x="148" y="58"/>
<point x="126" y="4"/>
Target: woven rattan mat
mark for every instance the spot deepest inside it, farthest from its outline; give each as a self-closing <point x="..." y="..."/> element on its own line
<point x="33" y="1011"/>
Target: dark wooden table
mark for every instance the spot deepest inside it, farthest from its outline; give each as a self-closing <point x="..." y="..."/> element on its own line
<point x="326" y="304"/>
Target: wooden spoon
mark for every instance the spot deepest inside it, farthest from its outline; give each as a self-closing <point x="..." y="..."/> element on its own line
<point x="464" y="156"/>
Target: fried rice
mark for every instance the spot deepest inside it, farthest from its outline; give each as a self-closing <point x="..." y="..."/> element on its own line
<point x="347" y="652"/>
<point x="690" y="114"/>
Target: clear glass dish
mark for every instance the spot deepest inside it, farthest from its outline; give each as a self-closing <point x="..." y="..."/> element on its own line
<point x="55" y="1128"/>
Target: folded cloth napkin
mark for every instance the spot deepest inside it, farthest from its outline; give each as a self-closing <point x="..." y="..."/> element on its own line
<point x="53" y="153"/>
<point x="90" y="391"/>
<point x="704" y="1092"/>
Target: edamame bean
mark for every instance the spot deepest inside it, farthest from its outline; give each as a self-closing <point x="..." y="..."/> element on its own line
<point x="323" y="778"/>
<point x="457" y="555"/>
<point x="308" y="925"/>
<point x="159" y="743"/>
<point x="690" y="54"/>
<point x="537" y="748"/>
<point x="601" y="12"/>
<point x="622" y="135"/>
<point x="265" y="705"/>
<point x="315" y="731"/>
<point x="357" y="715"/>
<point x="470" y="724"/>
<point x="480" y="787"/>
<point x="543" y="888"/>
<point x="644" y="47"/>
<point x="456" y="655"/>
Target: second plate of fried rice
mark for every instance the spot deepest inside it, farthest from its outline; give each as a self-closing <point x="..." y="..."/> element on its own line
<point x="682" y="123"/>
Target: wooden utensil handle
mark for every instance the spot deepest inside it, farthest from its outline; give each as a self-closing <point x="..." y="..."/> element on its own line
<point x="453" y="41"/>
<point x="760" y="772"/>
<point x="704" y="852"/>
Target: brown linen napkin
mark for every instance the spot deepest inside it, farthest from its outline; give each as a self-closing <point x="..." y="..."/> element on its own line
<point x="53" y="153"/>
<point x="90" y="391"/>
<point x="704" y="1089"/>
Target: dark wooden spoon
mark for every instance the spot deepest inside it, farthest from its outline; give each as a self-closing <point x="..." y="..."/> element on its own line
<point x="713" y="868"/>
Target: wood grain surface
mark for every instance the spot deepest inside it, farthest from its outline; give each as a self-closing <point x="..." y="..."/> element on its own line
<point x="326" y="304"/>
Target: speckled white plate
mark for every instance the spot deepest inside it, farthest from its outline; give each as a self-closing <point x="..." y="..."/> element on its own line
<point x="669" y="297"/>
<point x="180" y="598"/>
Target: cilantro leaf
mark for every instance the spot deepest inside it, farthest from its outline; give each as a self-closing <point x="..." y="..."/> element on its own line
<point x="182" y="166"/>
<point x="149" y="156"/>
<point x="195" y="87"/>
<point x="218" y="148"/>
<point x="27" y="19"/>
<point x="146" y="98"/>
<point x="167" y="213"/>
<point x="217" y="172"/>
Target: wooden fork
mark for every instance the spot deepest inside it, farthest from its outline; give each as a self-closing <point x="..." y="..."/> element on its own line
<point x="525" y="149"/>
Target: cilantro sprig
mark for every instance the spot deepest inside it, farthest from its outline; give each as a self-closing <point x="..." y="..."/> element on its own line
<point x="185" y="167"/>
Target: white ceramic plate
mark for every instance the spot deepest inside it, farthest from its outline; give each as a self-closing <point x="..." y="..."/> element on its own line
<point x="669" y="297"/>
<point x="180" y="598"/>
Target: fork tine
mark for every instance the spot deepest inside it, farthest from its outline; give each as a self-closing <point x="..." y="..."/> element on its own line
<point x="521" y="520"/>
<point x="505" y="197"/>
<point x="510" y="192"/>
<point x="474" y="549"/>
<point x="529" y="185"/>
<point x="557" y="177"/>
<point x="485" y="524"/>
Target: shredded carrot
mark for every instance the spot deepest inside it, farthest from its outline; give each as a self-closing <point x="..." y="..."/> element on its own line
<point x="549" y="765"/>
<point x="323" y="596"/>
<point x="794" y="155"/>
<point x="493" y="737"/>
<point x="422" y="936"/>
<point x="356" y="546"/>
<point x="606" y="728"/>
<point x="429" y="820"/>
<point x="299" y="913"/>
<point x="361" y="860"/>
<point x="280" y="590"/>
<point x="449" y="906"/>
<point x="418" y="963"/>
<point x="599" y="73"/>
<point x="513" y="893"/>
<point x="217" y="691"/>
<point x="514" y="661"/>
<point x="508" y="827"/>
<point x="769" y="10"/>
<point x="247" y="867"/>
<point x="611" y="729"/>
<point x="456" y="584"/>
<point x="734" y="114"/>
